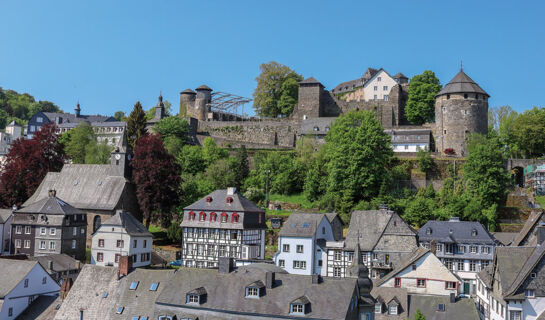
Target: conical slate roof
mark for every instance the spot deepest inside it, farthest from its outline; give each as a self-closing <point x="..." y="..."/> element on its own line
<point x="462" y="83"/>
<point x="204" y="87"/>
<point x="310" y="80"/>
<point x="188" y="91"/>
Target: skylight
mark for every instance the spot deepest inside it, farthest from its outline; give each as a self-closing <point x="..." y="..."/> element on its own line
<point x="134" y="285"/>
<point x="105" y="295"/>
<point x="294" y="224"/>
<point x="154" y="286"/>
<point x="306" y="225"/>
<point x="120" y="310"/>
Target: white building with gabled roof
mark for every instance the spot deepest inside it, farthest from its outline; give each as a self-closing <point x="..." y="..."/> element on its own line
<point x="121" y="235"/>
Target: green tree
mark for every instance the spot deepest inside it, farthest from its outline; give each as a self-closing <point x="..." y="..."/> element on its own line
<point x="136" y="124"/>
<point x="316" y="178"/>
<point x="418" y="315"/>
<point x="150" y="114"/>
<point x="76" y="141"/>
<point x="358" y="153"/>
<point x="286" y="173"/>
<point x="276" y="91"/>
<point x="119" y="116"/>
<point x="174" y="131"/>
<point x="425" y="161"/>
<point x="528" y="132"/>
<point x="242" y="168"/>
<point x="421" y="103"/>
<point x="419" y="211"/>
<point x="502" y="120"/>
<point x="191" y="159"/>
<point x="212" y="152"/>
<point x="97" y="153"/>
<point x="174" y="232"/>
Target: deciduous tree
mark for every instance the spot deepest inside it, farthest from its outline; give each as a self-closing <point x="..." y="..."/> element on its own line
<point x="421" y="103"/>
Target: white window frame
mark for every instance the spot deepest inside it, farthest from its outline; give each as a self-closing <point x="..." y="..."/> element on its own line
<point x="28" y="230"/>
<point x="299" y="248"/>
<point x="52" y="231"/>
<point x="43" y="230"/>
<point x="43" y="245"/>
<point x="27" y="244"/>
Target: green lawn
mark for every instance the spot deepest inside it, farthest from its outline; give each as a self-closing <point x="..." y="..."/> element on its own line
<point x="541" y="201"/>
<point x="159" y="233"/>
<point x="278" y="213"/>
<point x="295" y="198"/>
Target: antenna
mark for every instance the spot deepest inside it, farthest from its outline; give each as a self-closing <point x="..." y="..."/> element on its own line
<point x="461" y="65"/>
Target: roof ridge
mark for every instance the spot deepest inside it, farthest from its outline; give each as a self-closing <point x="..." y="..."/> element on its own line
<point x="519" y="280"/>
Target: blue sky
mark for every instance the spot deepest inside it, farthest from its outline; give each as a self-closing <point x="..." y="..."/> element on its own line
<point x="109" y="54"/>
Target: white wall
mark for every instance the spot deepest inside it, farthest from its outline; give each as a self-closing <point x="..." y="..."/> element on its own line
<point x="289" y="257"/>
<point x="385" y="80"/>
<point x="411" y="147"/>
<point x="111" y="235"/>
<point x="18" y="297"/>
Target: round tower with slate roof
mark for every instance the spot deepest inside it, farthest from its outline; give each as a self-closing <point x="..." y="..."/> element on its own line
<point x="461" y="108"/>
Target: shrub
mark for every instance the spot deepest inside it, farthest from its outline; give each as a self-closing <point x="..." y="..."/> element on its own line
<point x="174" y="232"/>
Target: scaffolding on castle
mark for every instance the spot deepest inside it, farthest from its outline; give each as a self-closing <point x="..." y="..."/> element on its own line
<point x="228" y="104"/>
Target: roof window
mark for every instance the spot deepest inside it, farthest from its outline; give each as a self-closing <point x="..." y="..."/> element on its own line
<point x="134" y="285"/>
<point x="105" y="295"/>
<point x="474" y="232"/>
<point x="441" y="307"/>
<point x="154" y="286"/>
<point x="229" y="200"/>
<point x="208" y="199"/>
<point x="300" y="306"/>
<point x="120" y="310"/>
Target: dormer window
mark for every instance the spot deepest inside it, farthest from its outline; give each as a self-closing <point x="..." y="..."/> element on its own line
<point x="213" y="217"/>
<point x="134" y="285"/>
<point x="255" y="290"/>
<point x="392" y="309"/>
<point x="229" y="200"/>
<point x="316" y="129"/>
<point x="234" y="218"/>
<point x="299" y="306"/>
<point x="428" y="231"/>
<point x="209" y="199"/>
<point x="191" y="215"/>
<point x="196" y="296"/>
<point x="202" y="216"/>
<point x="474" y="232"/>
<point x="224" y="217"/>
<point x="378" y="307"/>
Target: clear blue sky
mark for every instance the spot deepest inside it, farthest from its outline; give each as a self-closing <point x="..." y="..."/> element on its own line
<point x="109" y="54"/>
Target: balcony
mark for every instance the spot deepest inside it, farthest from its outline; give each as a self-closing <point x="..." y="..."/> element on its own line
<point x="381" y="265"/>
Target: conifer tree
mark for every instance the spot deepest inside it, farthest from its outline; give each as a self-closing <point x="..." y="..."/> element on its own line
<point x="242" y="171"/>
<point x="136" y="125"/>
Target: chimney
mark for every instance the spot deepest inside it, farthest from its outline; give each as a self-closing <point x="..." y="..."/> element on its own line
<point x="65" y="287"/>
<point x="383" y="207"/>
<point x="269" y="279"/>
<point x="52" y="193"/>
<point x="452" y="297"/>
<point x="78" y="265"/>
<point x="433" y="246"/>
<point x="454" y="219"/>
<point x="315" y="278"/>
<point x="50" y="265"/>
<point x="541" y="235"/>
<point x="124" y="265"/>
<point x="77" y="110"/>
<point x="231" y="191"/>
<point x="225" y="265"/>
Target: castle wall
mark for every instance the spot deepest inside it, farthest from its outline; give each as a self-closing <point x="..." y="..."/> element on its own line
<point x="279" y="133"/>
<point x="309" y="101"/>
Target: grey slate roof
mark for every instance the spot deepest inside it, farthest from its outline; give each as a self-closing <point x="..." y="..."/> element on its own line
<point x="461" y="83"/>
<point x="538" y="254"/>
<point x="308" y="125"/>
<point x="462" y="309"/>
<point x="508" y="262"/>
<point x="533" y="219"/>
<point x="204" y="87"/>
<point x="329" y="299"/>
<point x="486" y="274"/>
<point x="385" y="295"/>
<point x="405" y="263"/>
<point x="13" y="272"/>
<point x="61" y="262"/>
<point x="219" y="203"/>
<point x="310" y="80"/>
<point x="50" y="205"/>
<point x="505" y="238"/>
<point x="189" y="91"/>
<point x="71" y="118"/>
<point x="84" y="186"/>
<point x="5" y="214"/>
<point x="42" y="308"/>
<point x="128" y="222"/>
<point x="402" y="136"/>
<point x="399" y="75"/>
<point x="331" y="216"/>
<point x="458" y="231"/>
<point x="301" y="224"/>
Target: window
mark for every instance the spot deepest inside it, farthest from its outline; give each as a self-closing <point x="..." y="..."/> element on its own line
<point x="297" y="308"/>
<point x="473" y="249"/>
<point x="17" y="243"/>
<point x="299" y="264"/>
<point x="533" y="275"/>
<point x="529" y="293"/>
<point x="145" y="257"/>
<point x="26" y="283"/>
<point x="19" y="229"/>
<point x="134" y="243"/>
<point x="461" y="265"/>
<point x="119" y="243"/>
<point x="282" y="263"/>
<point x="336" y="271"/>
<point x="515" y="315"/>
<point x="44" y="280"/>
<point x="375" y="97"/>
<point x="202" y="216"/>
<point x="323" y="230"/>
<point x="27" y="229"/>
<point x="134" y="285"/>
<point x="316" y="129"/>
<point x="444" y="131"/>
<point x="191" y="215"/>
<point x="75" y="231"/>
<point x="39" y="119"/>
<point x="385" y="88"/>
<point x="414" y="266"/>
<point x="338" y="255"/>
<point x="43" y="230"/>
<point x="448" y="263"/>
<point x="74" y="244"/>
<point x="154" y="286"/>
<point x="120" y="310"/>
<point x="192" y="298"/>
<point x="32" y="128"/>
<point x="100" y="256"/>
<point x="450" y="285"/>
<point x="101" y="243"/>
<point x="441" y="307"/>
<point x="145" y="243"/>
<point x="465" y="95"/>
<point x="421" y="283"/>
<point x="234" y="235"/>
<point x="379" y="79"/>
<point x="52" y="231"/>
<point x="385" y="97"/>
<point x="234" y="218"/>
<point x="320" y="262"/>
<point x="406" y="147"/>
<point x="484" y="263"/>
<point x="252" y="292"/>
<point x="27" y="244"/>
<point x="213" y="216"/>
<point x="378" y="307"/>
<point x="461" y="248"/>
<point x="397" y="282"/>
<point x="116" y="259"/>
<point x="42" y="245"/>
<point x="299" y="248"/>
<point x="224" y="217"/>
<point x="375" y="88"/>
<point x="392" y="309"/>
<point x="286" y="248"/>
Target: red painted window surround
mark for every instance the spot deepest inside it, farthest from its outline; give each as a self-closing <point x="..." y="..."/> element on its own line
<point x="191" y="215"/>
<point x="213" y="217"/>
<point x="202" y="216"/>
<point x="397" y="282"/>
<point x="235" y="218"/>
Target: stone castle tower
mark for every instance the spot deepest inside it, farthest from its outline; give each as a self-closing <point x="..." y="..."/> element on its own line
<point x="195" y="105"/>
<point x="461" y="108"/>
<point x="309" y="103"/>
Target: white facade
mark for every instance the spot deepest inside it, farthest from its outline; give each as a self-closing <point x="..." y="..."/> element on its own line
<point x="379" y="86"/>
<point x="303" y="255"/>
<point x="111" y="242"/>
<point x="427" y="275"/>
<point x="37" y="282"/>
<point x="409" y="147"/>
<point x="13" y="132"/>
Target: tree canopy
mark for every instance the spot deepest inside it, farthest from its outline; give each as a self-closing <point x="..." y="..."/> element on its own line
<point x="82" y="146"/>
<point x="421" y="103"/>
<point x="136" y="124"/>
<point x="20" y="107"/>
<point x="528" y="133"/>
<point x="277" y="90"/>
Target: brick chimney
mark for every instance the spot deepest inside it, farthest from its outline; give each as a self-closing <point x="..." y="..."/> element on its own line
<point x="225" y="265"/>
<point x="269" y="279"/>
<point x="125" y="265"/>
<point x="433" y="246"/>
<point x="65" y="287"/>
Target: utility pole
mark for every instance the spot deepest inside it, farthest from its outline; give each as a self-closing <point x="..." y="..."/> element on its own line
<point x="267" y="189"/>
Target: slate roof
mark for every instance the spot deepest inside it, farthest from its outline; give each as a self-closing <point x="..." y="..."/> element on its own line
<point x="301" y="224"/>
<point x="42" y="308"/>
<point x="458" y="231"/>
<point x="13" y="272"/>
<point x="188" y="91"/>
<point x="508" y="262"/>
<point x="331" y="216"/>
<point x="405" y="136"/>
<point x="533" y="219"/>
<point x="5" y="214"/>
<point x="385" y="295"/>
<point x="61" y="262"/>
<point x="50" y="205"/>
<point x="399" y="75"/>
<point x="405" y="263"/>
<point x="84" y="186"/>
<point x="486" y="275"/>
<point x="203" y="87"/>
<point x="71" y="118"/>
<point x="461" y="83"/>
<point x="505" y="238"/>
<point x="308" y="125"/>
<point x="538" y="254"/>
<point x="462" y="309"/>
<point x="310" y="80"/>
<point x="128" y="222"/>
<point x="329" y="299"/>
<point x="219" y="203"/>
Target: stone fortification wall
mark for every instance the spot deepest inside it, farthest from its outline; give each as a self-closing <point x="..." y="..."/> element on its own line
<point x="279" y="133"/>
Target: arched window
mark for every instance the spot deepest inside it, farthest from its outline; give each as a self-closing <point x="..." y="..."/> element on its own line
<point x="212" y="217"/>
<point x="223" y="217"/>
<point x="191" y="215"/>
<point x="235" y="218"/>
<point x="208" y="199"/>
<point x="202" y="216"/>
<point x="97" y="221"/>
